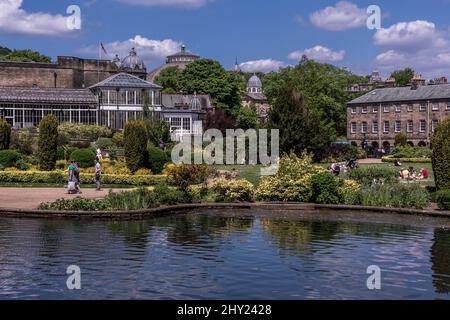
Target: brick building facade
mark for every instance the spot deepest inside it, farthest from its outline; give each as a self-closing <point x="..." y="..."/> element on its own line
<point x="378" y="116"/>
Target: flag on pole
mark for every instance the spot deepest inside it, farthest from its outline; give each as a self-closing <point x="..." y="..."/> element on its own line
<point x="103" y="48"/>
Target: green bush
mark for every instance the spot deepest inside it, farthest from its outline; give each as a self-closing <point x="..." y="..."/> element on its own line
<point x="60" y="177"/>
<point x="411" y="152"/>
<point x="324" y="188"/>
<point x="171" y="196"/>
<point x="24" y="141"/>
<point x="440" y="144"/>
<point x="104" y="143"/>
<point x="292" y="181"/>
<point x="135" y="144"/>
<point x="48" y="142"/>
<point x="118" y="139"/>
<point x="367" y="174"/>
<point x="185" y="175"/>
<point x="8" y="158"/>
<point x="21" y="165"/>
<point x="344" y="152"/>
<point x="401" y="140"/>
<point x="392" y="159"/>
<point x="443" y="199"/>
<point x="77" y="204"/>
<point x="132" y="200"/>
<point x="157" y="159"/>
<point x="5" y="134"/>
<point x="84" y="157"/>
<point x="233" y="190"/>
<point x="395" y="196"/>
<point x="84" y="132"/>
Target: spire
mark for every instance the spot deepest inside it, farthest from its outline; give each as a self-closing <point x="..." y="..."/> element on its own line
<point x="236" y="66"/>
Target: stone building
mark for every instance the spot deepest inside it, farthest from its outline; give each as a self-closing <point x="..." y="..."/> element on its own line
<point x="375" y="118"/>
<point x="68" y="72"/>
<point x="255" y="96"/>
<point x="180" y="60"/>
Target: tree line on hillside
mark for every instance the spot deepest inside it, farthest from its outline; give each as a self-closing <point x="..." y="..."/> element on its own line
<point x="28" y="55"/>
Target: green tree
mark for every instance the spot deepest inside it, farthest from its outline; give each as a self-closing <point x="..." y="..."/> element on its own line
<point x="169" y="79"/>
<point x="401" y="140"/>
<point x="48" y="142"/>
<point x="5" y="134"/>
<point x="246" y="117"/>
<point x="4" y="51"/>
<point x="25" y="56"/>
<point x="209" y="77"/>
<point x="303" y="127"/>
<point x="156" y="129"/>
<point x="440" y="145"/>
<point x="403" y="77"/>
<point x="135" y="144"/>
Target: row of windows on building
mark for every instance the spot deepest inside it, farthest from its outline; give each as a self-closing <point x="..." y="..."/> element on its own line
<point x="129" y="97"/>
<point x="398" y="126"/>
<point x="398" y="108"/>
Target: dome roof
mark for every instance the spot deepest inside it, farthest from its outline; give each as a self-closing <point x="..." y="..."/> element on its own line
<point x="132" y="61"/>
<point x="254" y="82"/>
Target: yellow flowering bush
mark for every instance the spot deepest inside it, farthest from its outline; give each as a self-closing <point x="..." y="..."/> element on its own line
<point x="292" y="181"/>
<point x="233" y="190"/>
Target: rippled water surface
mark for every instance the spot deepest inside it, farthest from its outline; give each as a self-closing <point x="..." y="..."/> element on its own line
<point x="227" y="255"/>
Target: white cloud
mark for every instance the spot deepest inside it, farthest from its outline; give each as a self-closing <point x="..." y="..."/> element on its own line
<point x="263" y="65"/>
<point x="319" y="53"/>
<point x="168" y="3"/>
<point x="417" y="44"/>
<point x="13" y="19"/>
<point x="345" y="15"/>
<point x="151" y="51"/>
<point x="410" y="36"/>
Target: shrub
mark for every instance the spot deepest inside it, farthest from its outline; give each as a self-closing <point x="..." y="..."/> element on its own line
<point x="8" y="158"/>
<point x="440" y="145"/>
<point x="135" y="143"/>
<point x="324" y="188"/>
<point x="77" y="204"/>
<point x="48" y="142"/>
<point x="171" y="196"/>
<point x="23" y="141"/>
<point x="104" y="143"/>
<point x="118" y="139"/>
<point x="132" y="200"/>
<point x="391" y="159"/>
<point x="84" y="157"/>
<point x="349" y="191"/>
<point x="401" y="140"/>
<point x="292" y="181"/>
<point x="233" y="190"/>
<point x="443" y="199"/>
<point x="396" y="196"/>
<point x="84" y="132"/>
<point x="157" y="159"/>
<point x="367" y="174"/>
<point x="343" y="152"/>
<point x="411" y="152"/>
<point x="21" y="165"/>
<point x="185" y="175"/>
<point x="5" y="134"/>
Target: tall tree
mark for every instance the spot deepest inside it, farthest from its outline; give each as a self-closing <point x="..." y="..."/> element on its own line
<point x="303" y="127"/>
<point x="403" y="77"/>
<point x="209" y="77"/>
<point x="169" y="79"/>
<point x="48" y="142"/>
<point x="135" y="143"/>
<point x="25" y="56"/>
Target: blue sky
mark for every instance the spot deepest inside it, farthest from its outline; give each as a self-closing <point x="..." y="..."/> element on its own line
<point x="263" y="34"/>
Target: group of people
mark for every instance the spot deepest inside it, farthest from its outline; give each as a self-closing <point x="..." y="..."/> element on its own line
<point x="412" y="174"/>
<point x="335" y="168"/>
<point x="74" y="177"/>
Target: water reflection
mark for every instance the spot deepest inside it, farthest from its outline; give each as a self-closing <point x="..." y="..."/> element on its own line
<point x="227" y="255"/>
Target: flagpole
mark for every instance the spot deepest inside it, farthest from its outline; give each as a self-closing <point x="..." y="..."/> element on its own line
<point x="98" y="61"/>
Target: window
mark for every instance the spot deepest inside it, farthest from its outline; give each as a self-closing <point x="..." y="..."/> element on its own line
<point x="353" y="129"/>
<point x="435" y="107"/>
<point x="423" y="126"/>
<point x="386" y="109"/>
<point x="434" y="125"/>
<point x="386" y="127"/>
<point x="410" y="126"/>
<point x="423" y="107"/>
<point x="364" y="110"/>
<point x="364" y="127"/>
<point x="398" y="108"/>
<point x="375" y="109"/>
<point x="353" y="109"/>
<point x="410" y="108"/>
<point x="375" y="127"/>
<point x="448" y="106"/>
<point x="398" y="126"/>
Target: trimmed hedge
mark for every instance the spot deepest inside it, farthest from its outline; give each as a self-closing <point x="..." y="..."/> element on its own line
<point x="443" y="199"/>
<point x="60" y="177"/>
<point x="391" y="159"/>
<point x="440" y="145"/>
<point x="84" y="157"/>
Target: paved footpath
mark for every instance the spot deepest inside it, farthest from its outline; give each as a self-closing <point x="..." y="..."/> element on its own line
<point x="31" y="198"/>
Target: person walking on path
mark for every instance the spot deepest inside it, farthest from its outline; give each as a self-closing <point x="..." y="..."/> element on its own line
<point x="77" y="177"/>
<point x="98" y="172"/>
<point x="72" y="181"/>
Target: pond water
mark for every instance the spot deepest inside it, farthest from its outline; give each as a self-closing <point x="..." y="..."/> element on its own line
<point x="228" y="254"/>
